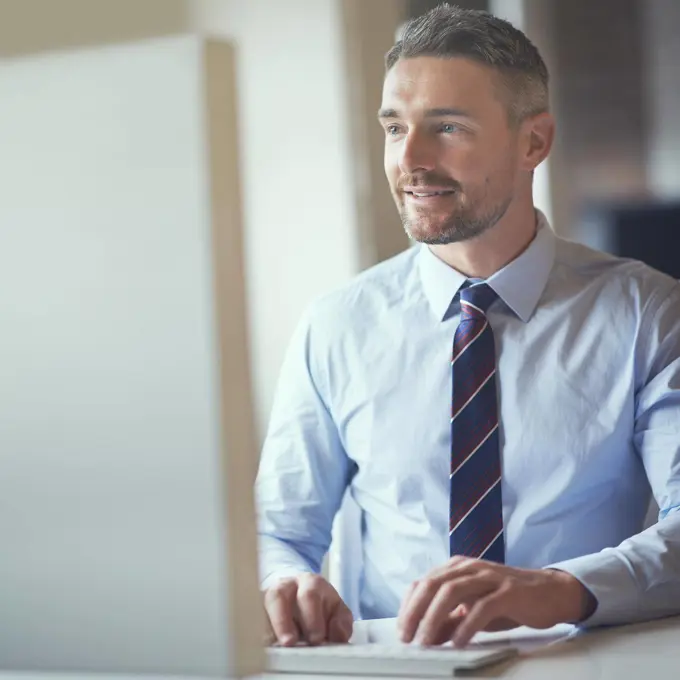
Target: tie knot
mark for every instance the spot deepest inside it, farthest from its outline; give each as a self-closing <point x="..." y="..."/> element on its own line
<point x="475" y="300"/>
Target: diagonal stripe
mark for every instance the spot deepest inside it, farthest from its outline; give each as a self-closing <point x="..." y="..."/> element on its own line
<point x="486" y="520"/>
<point x="495" y="538"/>
<point x="477" y="534"/>
<point x="484" y="495"/>
<point x="468" y="387"/>
<point x="463" y="336"/>
<point x="473" y="365"/>
<point x="467" y="303"/>
<point x="480" y="539"/>
<point x="472" y="425"/>
<point x="475" y="499"/>
<point x="469" y="344"/>
<point x="464" y="332"/>
<point x="496" y="551"/>
<point x="473" y="536"/>
<point x="467" y="496"/>
<point x="472" y="453"/>
<point x="486" y="380"/>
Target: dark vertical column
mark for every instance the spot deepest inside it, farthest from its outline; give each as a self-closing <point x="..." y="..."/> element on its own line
<point x="599" y="98"/>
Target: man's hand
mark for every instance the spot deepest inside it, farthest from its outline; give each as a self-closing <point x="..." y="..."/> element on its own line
<point x="467" y="595"/>
<point x="308" y="609"/>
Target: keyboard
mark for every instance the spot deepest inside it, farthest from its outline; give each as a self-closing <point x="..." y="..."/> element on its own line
<point x="382" y="659"/>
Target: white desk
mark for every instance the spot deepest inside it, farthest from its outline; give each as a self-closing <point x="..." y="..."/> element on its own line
<point x="646" y="651"/>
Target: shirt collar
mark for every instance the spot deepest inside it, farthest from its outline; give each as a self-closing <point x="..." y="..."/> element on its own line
<point x="519" y="284"/>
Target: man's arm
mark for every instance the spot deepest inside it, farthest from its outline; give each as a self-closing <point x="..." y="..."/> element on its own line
<point x="640" y="578"/>
<point x="304" y="470"/>
<point x="637" y="580"/>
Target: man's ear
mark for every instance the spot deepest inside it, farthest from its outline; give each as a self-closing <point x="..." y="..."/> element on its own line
<point x="537" y="135"/>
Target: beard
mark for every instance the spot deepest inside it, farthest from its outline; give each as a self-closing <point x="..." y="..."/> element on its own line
<point x="469" y="217"/>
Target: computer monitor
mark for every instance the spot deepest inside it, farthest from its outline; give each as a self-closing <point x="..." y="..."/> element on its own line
<point x="127" y="455"/>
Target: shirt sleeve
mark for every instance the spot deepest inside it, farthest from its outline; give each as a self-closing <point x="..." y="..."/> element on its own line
<point x="304" y="470"/>
<point x="640" y="578"/>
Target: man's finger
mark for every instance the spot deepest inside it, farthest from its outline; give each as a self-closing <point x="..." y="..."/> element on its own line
<point x="406" y="601"/>
<point x="449" y="627"/>
<point x="449" y="596"/>
<point x="481" y="614"/>
<point x="414" y="610"/>
<point x="269" y="634"/>
<point x="311" y="610"/>
<point x="279" y="602"/>
<point x="340" y="625"/>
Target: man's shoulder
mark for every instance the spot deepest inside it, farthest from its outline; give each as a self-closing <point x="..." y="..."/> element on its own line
<point x="372" y="292"/>
<point x="629" y="277"/>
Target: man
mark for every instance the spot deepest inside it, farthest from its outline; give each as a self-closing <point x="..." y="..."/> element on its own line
<point x="498" y="400"/>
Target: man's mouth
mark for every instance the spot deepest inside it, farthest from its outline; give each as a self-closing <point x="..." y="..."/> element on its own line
<point x="423" y="194"/>
<point x="427" y="194"/>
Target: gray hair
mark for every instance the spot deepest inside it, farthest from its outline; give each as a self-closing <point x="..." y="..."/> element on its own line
<point x="449" y="31"/>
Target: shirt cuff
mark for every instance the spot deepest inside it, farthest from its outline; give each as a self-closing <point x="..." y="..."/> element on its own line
<point x="611" y="582"/>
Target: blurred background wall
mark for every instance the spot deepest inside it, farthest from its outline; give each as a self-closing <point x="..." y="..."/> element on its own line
<point x="316" y="205"/>
<point x="317" y="210"/>
<point x="615" y="93"/>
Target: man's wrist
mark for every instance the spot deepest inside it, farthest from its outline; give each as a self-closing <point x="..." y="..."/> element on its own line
<point x="580" y="603"/>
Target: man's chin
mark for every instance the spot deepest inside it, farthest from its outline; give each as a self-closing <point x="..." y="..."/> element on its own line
<point x="432" y="235"/>
<point x="441" y="240"/>
<point x="441" y="234"/>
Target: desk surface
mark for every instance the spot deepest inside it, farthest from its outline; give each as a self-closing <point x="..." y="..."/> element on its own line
<point x="646" y="651"/>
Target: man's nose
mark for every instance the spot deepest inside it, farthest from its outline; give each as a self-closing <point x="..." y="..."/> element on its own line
<point x="417" y="153"/>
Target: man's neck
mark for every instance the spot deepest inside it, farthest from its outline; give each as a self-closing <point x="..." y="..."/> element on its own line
<point x="483" y="256"/>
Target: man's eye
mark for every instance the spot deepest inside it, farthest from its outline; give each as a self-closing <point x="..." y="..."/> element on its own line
<point x="449" y="128"/>
<point x="392" y="129"/>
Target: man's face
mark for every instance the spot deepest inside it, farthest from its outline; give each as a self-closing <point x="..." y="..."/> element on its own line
<point x="450" y="153"/>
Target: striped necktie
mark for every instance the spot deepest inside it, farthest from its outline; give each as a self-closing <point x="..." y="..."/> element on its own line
<point x="476" y="510"/>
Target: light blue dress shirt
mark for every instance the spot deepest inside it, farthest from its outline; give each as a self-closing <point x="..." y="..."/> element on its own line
<point x="588" y="350"/>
